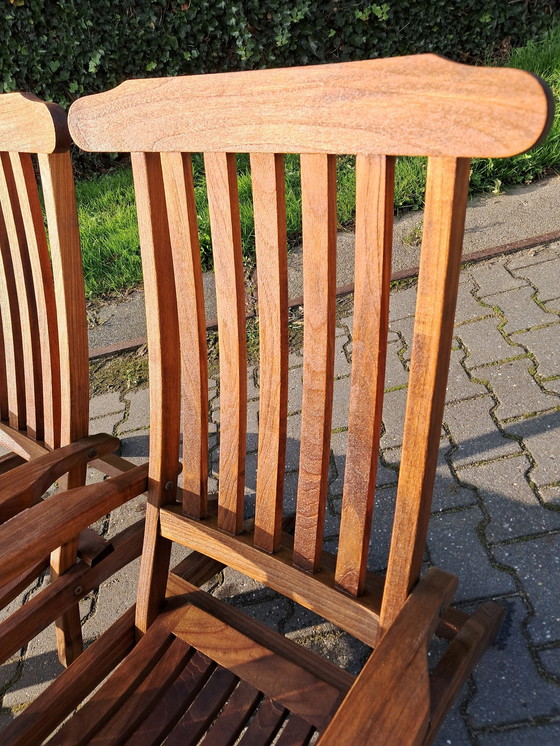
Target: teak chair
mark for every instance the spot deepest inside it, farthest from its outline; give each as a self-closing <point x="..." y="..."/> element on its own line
<point x="44" y="371"/>
<point x="192" y="666"/>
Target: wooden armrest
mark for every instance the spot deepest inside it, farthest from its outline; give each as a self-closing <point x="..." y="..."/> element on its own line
<point x="32" y="534"/>
<point x="389" y="702"/>
<point x="23" y="486"/>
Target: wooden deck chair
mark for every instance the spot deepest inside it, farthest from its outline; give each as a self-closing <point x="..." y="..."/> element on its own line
<point x="44" y="371"/>
<point x="189" y="668"/>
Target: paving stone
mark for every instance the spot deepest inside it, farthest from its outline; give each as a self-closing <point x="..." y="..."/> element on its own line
<point x="105" y="404"/>
<point x="454" y="730"/>
<point x="394" y="405"/>
<point x="252" y="425"/>
<point x="295" y="389"/>
<point x="468" y="307"/>
<point x="550" y="495"/>
<point x="516" y="389"/>
<point x="540" y="438"/>
<point x="341" y="330"/>
<point x="448" y="493"/>
<point x="348" y="322"/>
<point x="493" y="277"/>
<point x="514" y="509"/>
<point x="454" y="545"/>
<point x="341" y="403"/>
<point x="475" y="433"/>
<point x="115" y="596"/>
<point x="459" y="385"/>
<point x="383" y="514"/>
<point x="550" y="660"/>
<point x="527" y="735"/>
<point x="484" y="343"/>
<point x="136" y="444"/>
<point x="552" y="386"/>
<point x="537" y="562"/>
<point x="341" y="364"/>
<point x="544" y="277"/>
<point x="509" y="688"/>
<point x="531" y="257"/>
<point x="253" y="390"/>
<point x="405" y="330"/>
<point x="395" y="372"/>
<point x="520" y="309"/>
<point x="543" y="343"/>
<point x="139" y="410"/>
<point x="106" y="424"/>
<point x="402" y="303"/>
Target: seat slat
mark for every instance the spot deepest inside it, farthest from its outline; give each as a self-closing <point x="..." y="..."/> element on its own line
<point x="204" y="709"/>
<point x="43" y="282"/>
<point x="231" y="720"/>
<point x="31" y="345"/>
<point x="267" y="173"/>
<point x="438" y="279"/>
<point x="143" y="699"/>
<point x="183" y="231"/>
<point x="318" y="182"/>
<point x="3" y="378"/>
<point x="171" y="708"/>
<point x="221" y="179"/>
<point x="297" y="732"/>
<point x="12" y="334"/>
<point x="264" y="724"/>
<point x="375" y="177"/>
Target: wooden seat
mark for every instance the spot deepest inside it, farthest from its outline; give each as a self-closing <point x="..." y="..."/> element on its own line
<point x="44" y="370"/>
<point x="183" y="666"/>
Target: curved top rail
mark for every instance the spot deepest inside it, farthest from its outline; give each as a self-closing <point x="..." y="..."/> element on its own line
<point x="416" y="105"/>
<point x="30" y="125"/>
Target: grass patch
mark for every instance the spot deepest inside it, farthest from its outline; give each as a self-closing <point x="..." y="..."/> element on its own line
<point x="108" y="217"/>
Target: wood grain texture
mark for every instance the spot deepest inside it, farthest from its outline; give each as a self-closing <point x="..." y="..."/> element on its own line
<point x="375" y="177"/>
<point x="316" y="592"/>
<point x="29" y="125"/>
<point x="444" y="219"/>
<point x="233" y="717"/>
<point x="419" y="105"/>
<point x="389" y="701"/>
<point x="183" y="231"/>
<point x="269" y="204"/>
<point x="43" y="284"/>
<point x="223" y="201"/>
<point x="31" y="344"/>
<point x="318" y="186"/>
<point x="265" y="724"/>
<point x="165" y="377"/>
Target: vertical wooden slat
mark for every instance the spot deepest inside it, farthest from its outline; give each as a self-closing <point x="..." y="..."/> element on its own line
<point x="43" y="283"/>
<point x="444" y="218"/>
<point x="64" y="237"/>
<point x="11" y="327"/>
<point x="15" y="233"/>
<point x="267" y="172"/>
<point x="318" y="181"/>
<point x="183" y="231"/>
<point x="3" y="379"/>
<point x="374" y="237"/>
<point x="165" y="378"/>
<point x="221" y="179"/>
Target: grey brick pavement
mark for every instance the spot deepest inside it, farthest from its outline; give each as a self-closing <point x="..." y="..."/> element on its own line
<point x="496" y="509"/>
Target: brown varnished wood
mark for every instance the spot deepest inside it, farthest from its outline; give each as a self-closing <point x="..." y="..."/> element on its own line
<point x="12" y="589"/>
<point x="297" y="732"/>
<point x="221" y="180"/>
<point x="43" y="284"/>
<point x="317" y="592"/>
<point x="183" y="231"/>
<point x="29" y="125"/>
<point x="269" y="204"/>
<point x="23" y="486"/>
<point x="397" y="673"/>
<point x="375" y="178"/>
<point x="167" y="713"/>
<point x="3" y="378"/>
<point x="20" y="443"/>
<point x="15" y="230"/>
<point x="9" y="461"/>
<point x="418" y="105"/>
<point x="318" y="185"/>
<point x="265" y="724"/>
<point x="297" y="689"/>
<point x="231" y="720"/>
<point x="444" y="218"/>
<point x="12" y="333"/>
<point x="164" y="372"/>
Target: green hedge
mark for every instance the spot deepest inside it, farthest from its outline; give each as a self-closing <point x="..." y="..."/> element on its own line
<point x="62" y="49"/>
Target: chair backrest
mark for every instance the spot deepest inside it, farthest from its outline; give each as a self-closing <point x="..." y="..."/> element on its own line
<point x="376" y="110"/>
<point x="44" y="384"/>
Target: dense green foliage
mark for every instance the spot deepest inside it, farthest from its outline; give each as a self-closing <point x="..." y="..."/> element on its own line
<point x="61" y="49"/>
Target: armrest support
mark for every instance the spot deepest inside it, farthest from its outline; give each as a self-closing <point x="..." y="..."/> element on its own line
<point x="389" y="702"/>
<point x="33" y="533"/>
<point x="23" y="486"/>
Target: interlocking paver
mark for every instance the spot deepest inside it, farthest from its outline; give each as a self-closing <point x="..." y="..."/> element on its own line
<point x="513" y="507"/>
<point x="138" y="410"/>
<point x="484" y="343"/>
<point x="395" y="372"/>
<point x="537" y="562"/>
<point x="393" y="418"/>
<point x="540" y="436"/>
<point x="459" y="385"/>
<point x="468" y="307"/>
<point x="531" y="733"/>
<point x="448" y="492"/>
<point x="532" y="256"/>
<point x="402" y="303"/>
<point x="550" y="661"/>
<point x="493" y="277"/>
<point x="475" y="433"/>
<point x="544" y="344"/>
<point x="551" y="495"/>
<point x="520" y="310"/>
<point x="106" y="404"/>
<point x="517" y="391"/>
<point x="543" y="276"/>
